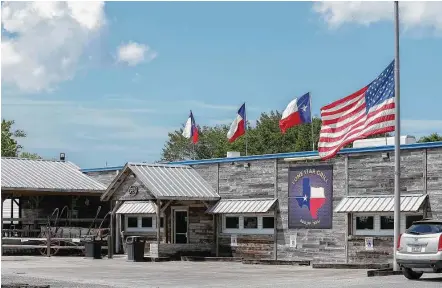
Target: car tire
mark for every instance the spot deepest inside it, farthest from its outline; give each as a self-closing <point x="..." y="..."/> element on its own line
<point x="410" y="274"/>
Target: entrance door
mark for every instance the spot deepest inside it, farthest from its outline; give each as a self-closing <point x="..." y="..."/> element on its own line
<point x="180" y="226"/>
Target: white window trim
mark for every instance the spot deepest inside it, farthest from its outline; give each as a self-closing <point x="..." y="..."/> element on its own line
<point x="249" y="231"/>
<point x="377" y="224"/>
<point x="140" y="221"/>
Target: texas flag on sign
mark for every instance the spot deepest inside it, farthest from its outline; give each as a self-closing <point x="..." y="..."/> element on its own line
<point x="238" y="126"/>
<point x="297" y="112"/>
<point x="312" y="197"/>
<point x="190" y="130"/>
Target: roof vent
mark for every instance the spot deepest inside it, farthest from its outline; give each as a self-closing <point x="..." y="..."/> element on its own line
<point x="233" y="154"/>
<point x="62" y="156"/>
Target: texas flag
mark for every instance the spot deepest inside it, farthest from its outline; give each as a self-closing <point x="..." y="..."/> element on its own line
<point x="238" y="126"/>
<point x="190" y="130"/>
<point x="312" y="197"/>
<point x="297" y="112"/>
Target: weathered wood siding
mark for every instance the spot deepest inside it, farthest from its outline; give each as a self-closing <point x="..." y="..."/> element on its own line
<point x="105" y="177"/>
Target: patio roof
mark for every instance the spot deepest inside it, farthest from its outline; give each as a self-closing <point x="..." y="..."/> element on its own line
<point x="26" y="175"/>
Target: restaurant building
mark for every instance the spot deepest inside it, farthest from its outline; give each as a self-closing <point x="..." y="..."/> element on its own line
<point x="287" y="206"/>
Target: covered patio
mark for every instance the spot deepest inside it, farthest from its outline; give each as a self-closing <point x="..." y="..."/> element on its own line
<point x="176" y="195"/>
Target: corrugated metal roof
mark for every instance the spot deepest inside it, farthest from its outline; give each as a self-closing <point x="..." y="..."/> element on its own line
<point x="232" y="206"/>
<point x="46" y="175"/>
<point x="383" y="203"/>
<point x="173" y="181"/>
<point x="137" y="207"/>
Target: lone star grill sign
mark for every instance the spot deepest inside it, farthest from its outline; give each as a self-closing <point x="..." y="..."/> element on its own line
<point x="311" y="197"/>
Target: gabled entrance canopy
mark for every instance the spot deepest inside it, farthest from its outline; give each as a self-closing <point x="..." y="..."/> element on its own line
<point x="165" y="182"/>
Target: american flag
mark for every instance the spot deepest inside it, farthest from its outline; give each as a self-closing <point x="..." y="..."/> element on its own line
<point x="366" y="112"/>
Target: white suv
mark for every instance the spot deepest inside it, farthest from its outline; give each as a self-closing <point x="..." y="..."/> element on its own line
<point x="420" y="249"/>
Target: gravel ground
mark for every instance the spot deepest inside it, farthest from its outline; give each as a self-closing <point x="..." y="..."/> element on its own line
<point x="105" y="273"/>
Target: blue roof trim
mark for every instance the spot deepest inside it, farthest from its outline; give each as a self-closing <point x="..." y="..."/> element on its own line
<point x="414" y="146"/>
<point x="113" y="168"/>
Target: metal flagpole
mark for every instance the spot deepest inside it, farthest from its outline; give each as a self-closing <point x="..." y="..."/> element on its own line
<point x="245" y="123"/>
<point x="397" y="166"/>
<point x="311" y="121"/>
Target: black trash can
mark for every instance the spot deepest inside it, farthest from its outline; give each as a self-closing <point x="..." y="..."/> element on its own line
<point x="92" y="249"/>
<point x="135" y="248"/>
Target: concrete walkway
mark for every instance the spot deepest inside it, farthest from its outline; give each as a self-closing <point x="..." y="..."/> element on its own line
<point x="80" y="272"/>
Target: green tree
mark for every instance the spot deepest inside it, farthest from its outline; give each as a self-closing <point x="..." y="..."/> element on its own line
<point x="10" y="146"/>
<point x="27" y="155"/>
<point x="264" y="138"/>
<point x="434" y="137"/>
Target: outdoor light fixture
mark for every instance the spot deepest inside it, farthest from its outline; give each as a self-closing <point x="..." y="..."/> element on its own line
<point x="62" y="156"/>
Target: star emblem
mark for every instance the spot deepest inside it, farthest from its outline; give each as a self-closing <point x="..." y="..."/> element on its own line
<point x="304" y="108"/>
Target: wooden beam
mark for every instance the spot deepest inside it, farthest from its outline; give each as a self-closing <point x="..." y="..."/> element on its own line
<point x="165" y="206"/>
<point x="158" y="225"/>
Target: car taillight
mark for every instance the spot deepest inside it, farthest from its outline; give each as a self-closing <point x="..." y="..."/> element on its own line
<point x="399" y="242"/>
<point x="439" y="248"/>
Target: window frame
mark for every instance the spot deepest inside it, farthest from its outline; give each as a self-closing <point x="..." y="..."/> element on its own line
<point x="139" y="227"/>
<point x="241" y="230"/>
<point x="377" y="231"/>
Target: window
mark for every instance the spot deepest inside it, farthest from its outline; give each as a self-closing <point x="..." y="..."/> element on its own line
<point x="410" y="219"/>
<point x="268" y="222"/>
<point x="382" y="224"/>
<point x="161" y="222"/>
<point x="132" y="222"/>
<point x="146" y="222"/>
<point x="387" y="223"/>
<point x="141" y="223"/>
<point x="364" y="223"/>
<point x="232" y="222"/>
<point x="425" y="228"/>
<point x="250" y="222"/>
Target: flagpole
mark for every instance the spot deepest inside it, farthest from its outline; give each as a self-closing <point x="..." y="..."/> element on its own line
<point x="397" y="166"/>
<point x="245" y="123"/>
<point x="311" y="121"/>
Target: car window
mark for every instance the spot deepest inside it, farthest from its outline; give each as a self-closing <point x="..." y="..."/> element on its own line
<point x="425" y="228"/>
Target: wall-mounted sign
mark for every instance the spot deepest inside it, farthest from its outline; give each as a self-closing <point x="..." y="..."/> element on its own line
<point x="369" y="243"/>
<point x="233" y="241"/>
<point x="133" y="190"/>
<point x="293" y="239"/>
<point x="310" y="202"/>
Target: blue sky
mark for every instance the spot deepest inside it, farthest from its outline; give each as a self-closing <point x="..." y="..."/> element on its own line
<point x="126" y="74"/>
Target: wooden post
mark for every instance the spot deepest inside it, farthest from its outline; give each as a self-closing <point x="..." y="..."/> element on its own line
<point x="216" y="234"/>
<point x="48" y="244"/>
<point x="110" y="237"/>
<point x="166" y="227"/>
<point x="117" y="233"/>
<point x="158" y="225"/>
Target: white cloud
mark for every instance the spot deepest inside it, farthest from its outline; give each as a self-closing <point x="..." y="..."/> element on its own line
<point x="42" y="42"/>
<point x="412" y="14"/>
<point x="134" y="53"/>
